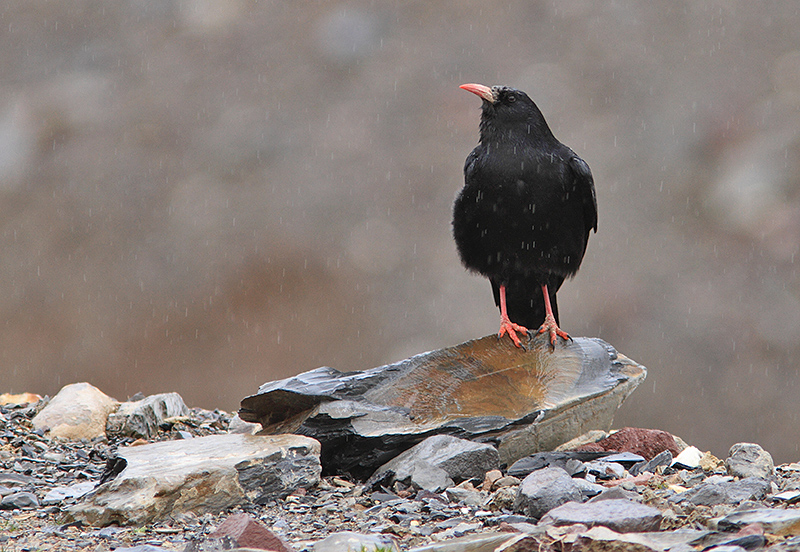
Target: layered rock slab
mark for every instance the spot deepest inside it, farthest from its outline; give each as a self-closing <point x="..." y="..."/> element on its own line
<point x="201" y="475"/>
<point x="521" y="401"/>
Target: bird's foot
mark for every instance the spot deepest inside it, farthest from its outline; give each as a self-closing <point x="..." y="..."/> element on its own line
<point x="508" y="327"/>
<point x="550" y="327"/>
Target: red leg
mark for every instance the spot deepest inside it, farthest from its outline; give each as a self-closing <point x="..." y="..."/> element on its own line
<point x="549" y="325"/>
<point x="506" y="325"/>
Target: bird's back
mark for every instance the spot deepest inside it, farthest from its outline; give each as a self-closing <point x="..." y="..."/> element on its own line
<point x="521" y="213"/>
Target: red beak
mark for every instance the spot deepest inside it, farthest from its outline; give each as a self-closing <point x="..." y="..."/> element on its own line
<point x="480" y="90"/>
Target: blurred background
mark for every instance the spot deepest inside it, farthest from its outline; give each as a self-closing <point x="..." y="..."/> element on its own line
<point x="202" y="196"/>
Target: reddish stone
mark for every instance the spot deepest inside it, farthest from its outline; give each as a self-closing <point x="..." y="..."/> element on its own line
<point x="246" y="532"/>
<point x="752" y="529"/>
<point x="644" y="442"/>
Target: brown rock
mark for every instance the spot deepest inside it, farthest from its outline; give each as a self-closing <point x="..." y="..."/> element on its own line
<point x="78" y="411"/>
<point x="246" y="532"/>
<point x="490" y="478"/>
<point x="19" y="398"/>
<point x="644" y="442"/>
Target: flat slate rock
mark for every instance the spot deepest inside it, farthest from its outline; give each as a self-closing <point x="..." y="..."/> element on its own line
<point x="777" y="522"/>
<point x="523" y="400"/>
<point x="711" y="493"/>
<point x="624" y="516"/>
<point x="200" y="475"/>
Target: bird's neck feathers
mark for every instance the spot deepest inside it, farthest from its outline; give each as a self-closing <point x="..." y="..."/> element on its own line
<point x="533" y="129"/>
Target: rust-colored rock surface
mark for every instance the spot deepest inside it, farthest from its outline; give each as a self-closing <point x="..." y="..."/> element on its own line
<point x="522" y="401"/>
<point x="644" y="442"/>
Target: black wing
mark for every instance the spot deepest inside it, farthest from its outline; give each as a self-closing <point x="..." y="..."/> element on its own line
<point x="584" y="183"/>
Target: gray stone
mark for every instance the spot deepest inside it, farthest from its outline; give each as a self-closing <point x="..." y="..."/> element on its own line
<point x="663" y="458"/>
<point x="788" y="497"/>
<point x="712" y="492"/>
<point x="438" y="461"/>
<point x="482" y="542"/>
<point x="544" y="490"/>
<point x="201" y="475"/>
<point x="78" y="411"/>
<point x="527" y="400"/>
<point x="237" y="425"/>
<point x="347" y="540"/>
<point x="603" y="539"/>
<point x="141" y="418"/>
<point x="572" y="462"/>
<point x="141" y="548"/>
<point x="605" y="470"/>
<point x="616" y="492"/>
<point x="775" y="521"/>
<point x="588" y="489"/>
<point x="19" y="501"/>
<point x="56" y="495"/>
<point x="620" y="515"/>
<point x="749" y="460"/>
<point x="465" y="496"/>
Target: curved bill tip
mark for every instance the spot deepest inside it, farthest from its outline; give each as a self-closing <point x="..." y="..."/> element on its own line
<point x="480" y="90"/>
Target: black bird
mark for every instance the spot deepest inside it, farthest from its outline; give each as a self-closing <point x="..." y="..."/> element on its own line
<point x="524" y="215"/>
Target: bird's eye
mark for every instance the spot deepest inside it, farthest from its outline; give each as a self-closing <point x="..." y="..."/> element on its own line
<point x="512" y="98"/>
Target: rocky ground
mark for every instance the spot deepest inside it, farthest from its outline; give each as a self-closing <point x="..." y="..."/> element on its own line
<point x="693" y="502"/>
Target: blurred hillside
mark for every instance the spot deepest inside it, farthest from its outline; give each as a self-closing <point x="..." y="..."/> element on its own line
<point x="201" y="197"/>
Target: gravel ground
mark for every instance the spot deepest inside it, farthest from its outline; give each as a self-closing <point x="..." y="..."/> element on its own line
<point x="31" y="517"/>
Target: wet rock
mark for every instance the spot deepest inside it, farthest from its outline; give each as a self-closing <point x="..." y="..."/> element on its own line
<point x="240" y="531"/>
<point x="749" y="460"/>
<point x="644" y="442"/>
<point x="544" y="490"/>
<point x="19" y="501"/>
<point x="716" y="491"/>
<point x="525" y="400"/>
<point x="141" y="418"/>
<point x="438" y="461"/>
<point x="78" y="411"/>
<point x="777" y="522"/>
<point x="617" y="514"/>
<point x="348" y="540"/>
<point x="203" y="475"/>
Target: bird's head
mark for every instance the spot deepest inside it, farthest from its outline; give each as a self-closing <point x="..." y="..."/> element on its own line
<point x="506" y="108"/>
